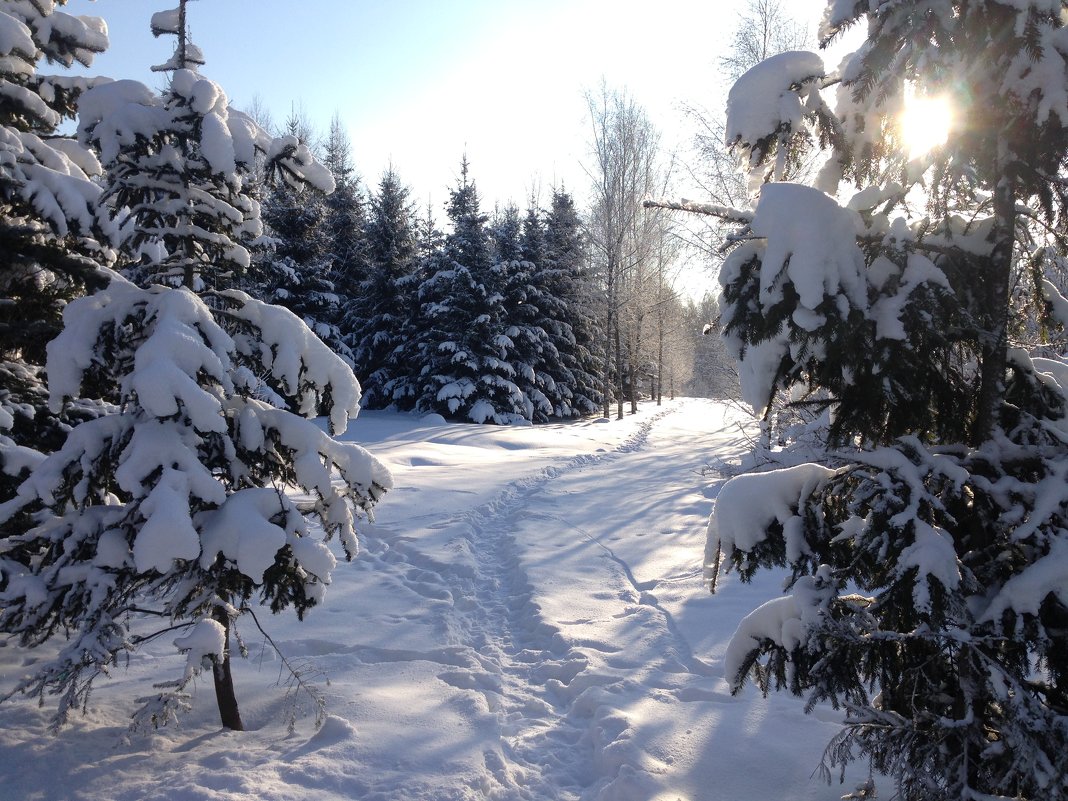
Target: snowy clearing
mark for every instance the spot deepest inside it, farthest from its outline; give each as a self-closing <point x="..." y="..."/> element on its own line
<point x="526" y="620"/>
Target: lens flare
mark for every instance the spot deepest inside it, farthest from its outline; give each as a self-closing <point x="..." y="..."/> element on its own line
<point x="925" y="123"/>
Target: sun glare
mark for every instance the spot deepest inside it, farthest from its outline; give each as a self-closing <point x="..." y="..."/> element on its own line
<point x="925" y="124"/>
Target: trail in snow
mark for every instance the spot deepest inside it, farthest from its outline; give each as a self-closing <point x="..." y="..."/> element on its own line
<point x="522" y="661"/>
<point x="526" y="622"/>
<point x="544" y="752"/>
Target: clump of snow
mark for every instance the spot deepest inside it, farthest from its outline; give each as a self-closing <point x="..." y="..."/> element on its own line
<point x="807" y="241"/>
<point x="1058" y="303"/>
<point x="933" y="557"/>
<point x="165" y="22"/>
<point x="749" y="503"/>
<point x="766" y="108"/>
<point x="783" y="622"/>
<point x="167" y="533"/>
<point x="769" y="96"/>
<point x="1025" y="592"/>
<point x="115" y="114"/>
<point x="814" y="239"/>
<point x="241" y="529"/>
<point x="304" y="366"/>
<point x="206" y="640"/>
<point x="887" y="311"/>
<point x="777" y="620"/>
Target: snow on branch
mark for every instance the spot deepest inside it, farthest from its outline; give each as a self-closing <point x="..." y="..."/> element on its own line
<point x="767" y="107"/>
<point x="708" y="209"/>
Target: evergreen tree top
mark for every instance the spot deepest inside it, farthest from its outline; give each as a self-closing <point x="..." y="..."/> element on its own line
<point x="173" y="22"/>
<point x="468" y="242"/>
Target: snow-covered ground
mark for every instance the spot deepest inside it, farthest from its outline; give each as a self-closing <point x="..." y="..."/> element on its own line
<point x="526" y="620"/>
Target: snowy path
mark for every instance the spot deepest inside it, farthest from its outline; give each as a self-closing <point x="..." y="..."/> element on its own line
<point x="526" y="621"/>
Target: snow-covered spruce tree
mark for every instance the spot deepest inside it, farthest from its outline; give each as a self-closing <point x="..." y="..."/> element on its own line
<point x="572" y="316"/>
<point x="176" y="509"/>
<point x="50" y="235"/>
<point x="405" y="385"/>
<point x="928" y="554"/>
<point x="531" y="354"/>
<point x="380" y="318"/>
<point x="464" y="352"/>
<point x="345" y="219"/>
<point x="178" y="167"/>
<point x="344" y="227"/>
<point x="532" y="238"/>
<point x="297" y="267"/>
<point x="172" y="513"/>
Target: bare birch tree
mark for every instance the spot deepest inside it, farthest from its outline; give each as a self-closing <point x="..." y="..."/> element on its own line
<point x="627" y="168"/>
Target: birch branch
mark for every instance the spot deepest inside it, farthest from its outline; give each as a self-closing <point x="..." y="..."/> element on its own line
<point x="708" y="209"/>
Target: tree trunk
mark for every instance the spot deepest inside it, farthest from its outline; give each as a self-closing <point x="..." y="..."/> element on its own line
<point x="224" y="680"/>
<point x="632" y="377"/>
<point x="609" y="318"/>
<point x="994" y="314"/>
<point x="634" y="348"/>
<point x="660" y="362"/>
<point x="619" y="373"/>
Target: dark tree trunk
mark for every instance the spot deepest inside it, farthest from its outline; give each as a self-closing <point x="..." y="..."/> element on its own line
<point x="634" y="347"/>
<point x="610" y="318"/>
<point x="994" y="314"/>
<point x="224" y="680"/>
<point x="660" y="363"/>
<point x="619" y="372"/>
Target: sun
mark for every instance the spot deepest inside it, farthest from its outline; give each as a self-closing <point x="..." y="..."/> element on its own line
<point x="925" y="123"/>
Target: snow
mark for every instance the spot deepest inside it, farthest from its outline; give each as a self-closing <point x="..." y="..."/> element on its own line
<point x="749" y="503"/>
<point x="814" y="240"/>
<point x="167" y="533"/>
<point x="293" y="355"/>
<point x="757" y="370"/>
<point x="887" y="311"/>
<point x="15" y="37"/>
<point x="1040" y="80"/>
<point x="766" y="97"/>
<point x="242" y="531"/>
<point x="1025" y="592"/>
<point x="117" y="113"/>
<point x="933" y="557"/>
<point x="806" y="240"/>
<point x="208" y="638"/>
<point x="165" y="22"/>
<point x="767" y="104"/>
<point x="526" y="620"/>
<point x="778" y="620"/>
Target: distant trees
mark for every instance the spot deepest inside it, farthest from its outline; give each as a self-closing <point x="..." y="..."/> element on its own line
<point x="763" y="29"/>
<point x="464" y="352"/>
<point x="569" y="312"/>
<point x="492" y="321"/>
<point x="309" y="248"/>
<point x="380" y="320"/>
<point x="377" y="282"/>
<point x="627" y="239"/>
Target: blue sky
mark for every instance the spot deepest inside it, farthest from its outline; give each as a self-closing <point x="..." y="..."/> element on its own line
<point x="419" y="82"/>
